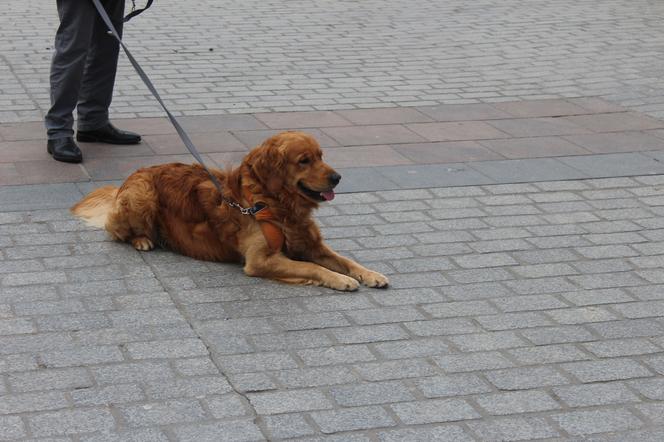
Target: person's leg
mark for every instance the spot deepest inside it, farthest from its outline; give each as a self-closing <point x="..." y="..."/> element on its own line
<point x="72" y="41"/>
<point x="100" y="68"/>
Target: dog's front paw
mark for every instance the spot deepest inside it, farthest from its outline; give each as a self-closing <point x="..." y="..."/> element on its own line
<point x="374" y="279"/>
<point x="344" y="283"/>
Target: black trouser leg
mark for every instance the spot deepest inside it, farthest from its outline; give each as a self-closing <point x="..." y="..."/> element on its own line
<point x="72" y="40"/>
<point x="100" y="68"/>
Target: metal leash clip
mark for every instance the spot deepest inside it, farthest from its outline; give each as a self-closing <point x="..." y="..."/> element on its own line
<point x="246" y="210"/>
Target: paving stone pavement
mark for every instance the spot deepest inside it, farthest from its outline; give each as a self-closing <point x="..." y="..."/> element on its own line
<point x="527" y="304"/>
<point x="516" y="312"/>
<point x="219" y="56"/>
<point x="378" y="149"/>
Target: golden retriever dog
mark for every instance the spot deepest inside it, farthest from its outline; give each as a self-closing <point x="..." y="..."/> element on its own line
<point x="177" y="206"/>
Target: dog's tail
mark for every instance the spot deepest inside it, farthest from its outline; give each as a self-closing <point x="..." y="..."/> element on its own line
<point x="96" y="206"/>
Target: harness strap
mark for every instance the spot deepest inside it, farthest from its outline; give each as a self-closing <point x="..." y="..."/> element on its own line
<point x="266" y="220"/>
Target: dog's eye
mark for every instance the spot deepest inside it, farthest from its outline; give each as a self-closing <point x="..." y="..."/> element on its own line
<point x="305" y="160"/>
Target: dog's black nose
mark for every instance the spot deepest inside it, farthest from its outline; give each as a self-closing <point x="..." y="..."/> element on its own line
<point x="334" y="178"/>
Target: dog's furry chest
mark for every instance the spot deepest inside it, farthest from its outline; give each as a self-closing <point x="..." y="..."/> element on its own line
<point x="300" y="239"/>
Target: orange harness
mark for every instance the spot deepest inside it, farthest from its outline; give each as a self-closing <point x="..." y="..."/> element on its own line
<point x="266" y="220"/>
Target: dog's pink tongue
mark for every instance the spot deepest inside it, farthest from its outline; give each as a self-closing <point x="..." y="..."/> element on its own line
<point x="329" y="195"/>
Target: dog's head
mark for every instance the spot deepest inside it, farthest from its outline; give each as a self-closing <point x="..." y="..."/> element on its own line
<point x="292" y="162"/>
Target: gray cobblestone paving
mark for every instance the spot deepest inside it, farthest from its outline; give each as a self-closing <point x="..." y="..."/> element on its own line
<point x="215" y="57"/>
<point x="500" y="325"/>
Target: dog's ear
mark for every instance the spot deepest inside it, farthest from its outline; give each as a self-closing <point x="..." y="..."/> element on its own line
<point x="268" y="163"/>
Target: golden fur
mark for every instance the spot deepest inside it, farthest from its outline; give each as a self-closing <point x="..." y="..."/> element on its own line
<point x="177" y="206"/>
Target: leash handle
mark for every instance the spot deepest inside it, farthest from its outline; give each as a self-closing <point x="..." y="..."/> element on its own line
<point x="181" y="132"/>
<point x="134" y="12"/>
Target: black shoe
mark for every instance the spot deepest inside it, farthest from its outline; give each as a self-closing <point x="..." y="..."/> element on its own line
<point x="108" y="134"/>
<point x="64" y="149"/>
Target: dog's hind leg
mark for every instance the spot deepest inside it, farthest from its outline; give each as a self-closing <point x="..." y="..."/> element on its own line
<point x="135" y="211"/>
<point x="142" y="243"/>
